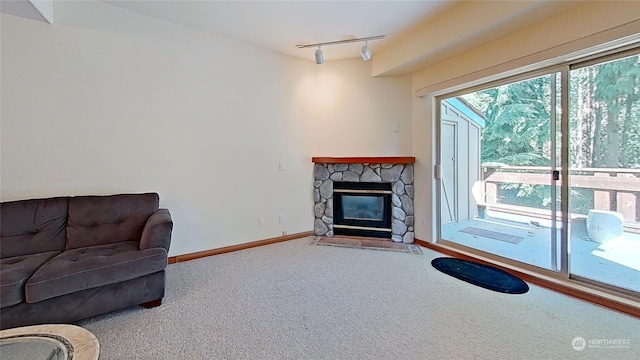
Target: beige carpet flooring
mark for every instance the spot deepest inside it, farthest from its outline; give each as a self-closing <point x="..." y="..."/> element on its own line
<point x="293" y="300"/>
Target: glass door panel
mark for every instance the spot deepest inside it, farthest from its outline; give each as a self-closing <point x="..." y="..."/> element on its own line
<point x="498" y="156"/>
<point x="604" y="149"/>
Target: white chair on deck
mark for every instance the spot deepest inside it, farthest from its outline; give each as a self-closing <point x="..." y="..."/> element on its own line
<point x="603" y="225"/>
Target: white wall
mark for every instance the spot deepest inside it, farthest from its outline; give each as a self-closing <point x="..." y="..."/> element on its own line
<point x="109" y="101"/>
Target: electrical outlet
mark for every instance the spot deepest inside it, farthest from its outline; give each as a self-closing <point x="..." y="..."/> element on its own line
<point x="281" y="165"/>
<point x="281" y="219"/>
<point x="261" y="221"/>
<point x="424" y="222"/>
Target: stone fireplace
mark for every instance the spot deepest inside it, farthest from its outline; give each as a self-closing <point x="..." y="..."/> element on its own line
<point x="364" y="197"/>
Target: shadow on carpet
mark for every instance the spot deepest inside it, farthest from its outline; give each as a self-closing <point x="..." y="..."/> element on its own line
<point x="482" y="275"/>
<point x="371" y="244"/>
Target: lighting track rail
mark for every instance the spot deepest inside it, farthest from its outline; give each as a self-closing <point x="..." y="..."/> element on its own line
<point x="302" y="46"/>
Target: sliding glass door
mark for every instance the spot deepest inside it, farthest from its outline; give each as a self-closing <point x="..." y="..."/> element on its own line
<point x="498" y="161"/>
<point x="605" y="171"/>
<point x="560" y="190"/>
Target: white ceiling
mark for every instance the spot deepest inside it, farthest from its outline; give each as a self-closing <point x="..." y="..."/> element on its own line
<point x="280" y="25"/>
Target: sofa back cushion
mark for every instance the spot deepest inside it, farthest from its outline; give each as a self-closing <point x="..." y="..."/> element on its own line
<point x="32" y="226"/>
<point x="100" y="220"/>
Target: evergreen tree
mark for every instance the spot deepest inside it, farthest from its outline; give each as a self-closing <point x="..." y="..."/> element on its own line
<point x="604" y="115"/>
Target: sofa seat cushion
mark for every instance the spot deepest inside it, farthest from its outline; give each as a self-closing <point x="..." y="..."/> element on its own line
<point x="94" y="266"/>
<point x="14" y="273"/>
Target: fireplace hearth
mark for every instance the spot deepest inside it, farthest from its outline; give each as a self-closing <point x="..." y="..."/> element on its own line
<point x="370" y="197"/>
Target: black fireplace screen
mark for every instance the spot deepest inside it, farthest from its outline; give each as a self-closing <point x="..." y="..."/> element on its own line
<point x="362" y="209"/>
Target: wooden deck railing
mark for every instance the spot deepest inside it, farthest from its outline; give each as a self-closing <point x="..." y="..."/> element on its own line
<point x="613" y="189"/>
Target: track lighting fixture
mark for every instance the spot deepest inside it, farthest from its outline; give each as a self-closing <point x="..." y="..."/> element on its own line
<point x="319" y="56"/>
<point x="364" y="51"/>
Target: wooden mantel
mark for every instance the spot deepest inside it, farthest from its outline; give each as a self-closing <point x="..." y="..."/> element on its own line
<point x="365" y="160"/>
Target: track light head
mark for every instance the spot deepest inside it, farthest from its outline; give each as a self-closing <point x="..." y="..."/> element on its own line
<point x="365" y="52"/>
<point x="319" y="56"/>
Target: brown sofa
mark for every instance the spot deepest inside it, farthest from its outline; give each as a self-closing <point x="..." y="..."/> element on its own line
<point x="64" y="259"/>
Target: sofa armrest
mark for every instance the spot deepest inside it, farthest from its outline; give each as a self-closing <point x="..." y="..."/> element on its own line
<point x="157" y="231"/>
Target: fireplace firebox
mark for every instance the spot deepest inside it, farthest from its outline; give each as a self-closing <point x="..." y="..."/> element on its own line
<point x="362" y="209"/>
